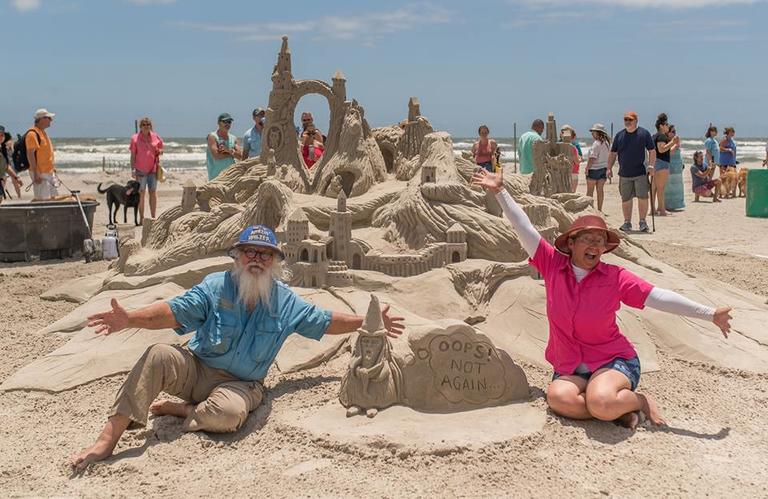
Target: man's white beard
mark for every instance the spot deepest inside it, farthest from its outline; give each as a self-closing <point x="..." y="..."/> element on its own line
<point x="252" y="288"/>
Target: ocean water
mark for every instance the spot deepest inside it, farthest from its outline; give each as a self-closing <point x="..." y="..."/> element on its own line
<point x="89" y="154"/>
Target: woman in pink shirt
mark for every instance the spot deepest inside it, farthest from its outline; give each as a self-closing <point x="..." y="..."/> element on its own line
<point x="596" y="367"/>
<point x="146" y="148"/>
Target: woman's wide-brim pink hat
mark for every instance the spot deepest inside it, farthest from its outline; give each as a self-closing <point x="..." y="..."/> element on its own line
<point x="588" y="222"/>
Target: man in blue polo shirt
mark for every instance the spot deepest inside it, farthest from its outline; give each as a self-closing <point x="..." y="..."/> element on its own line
<point x="631" y="144"/>
<point x="241" y="319"/>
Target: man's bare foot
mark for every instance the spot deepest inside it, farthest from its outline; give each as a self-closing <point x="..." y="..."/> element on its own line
<point x="104" y="445"/>
<point x="651" y="410"/>
<point x="99" y="451"/>
<point x="168" y="408"/>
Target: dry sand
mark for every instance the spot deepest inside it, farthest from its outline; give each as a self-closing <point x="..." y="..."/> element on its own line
<point x="716" y="444"/>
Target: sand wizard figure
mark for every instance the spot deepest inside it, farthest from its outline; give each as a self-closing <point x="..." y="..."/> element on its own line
<point x="374" y="380"/>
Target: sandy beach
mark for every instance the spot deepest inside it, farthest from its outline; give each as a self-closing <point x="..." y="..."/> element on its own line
<point x="715" y="444"/>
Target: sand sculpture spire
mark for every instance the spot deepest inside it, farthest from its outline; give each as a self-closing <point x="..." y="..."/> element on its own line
<point x="373" y="322"/>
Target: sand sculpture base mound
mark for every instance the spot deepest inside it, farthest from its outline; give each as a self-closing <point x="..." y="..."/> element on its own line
<point x="408" y="431"/>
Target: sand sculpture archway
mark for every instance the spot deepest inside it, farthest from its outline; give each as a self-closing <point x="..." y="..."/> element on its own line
<point x="280" y="134"/>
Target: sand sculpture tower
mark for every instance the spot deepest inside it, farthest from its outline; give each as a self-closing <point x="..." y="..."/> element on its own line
<point x="341" y="229"/>
<point x="280" y="134"/>
<point x="552" y="164"/>
<point x="415" y="129"/>
<point x="456" y="244"/>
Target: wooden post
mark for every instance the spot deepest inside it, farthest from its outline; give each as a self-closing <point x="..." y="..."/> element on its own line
<point x="610" y="180"/>
<point x="514" y="145"/>
<point x="188" y="196"/>
<point x="104" y="163"/>
<point x="135" y="126"/>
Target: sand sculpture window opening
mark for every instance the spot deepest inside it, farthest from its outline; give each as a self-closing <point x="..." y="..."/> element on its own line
<point x="456" y="257"/>
<point x="329" y="249"/>
<point x="356" y="261"/>
<point x="304" y="256"/>
<point x="320" y="108"/>
<point x="347" y="181"/>
<point x="389" y="159"/>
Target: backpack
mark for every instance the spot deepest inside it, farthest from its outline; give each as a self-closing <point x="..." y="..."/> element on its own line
<point x="20" y="160"/>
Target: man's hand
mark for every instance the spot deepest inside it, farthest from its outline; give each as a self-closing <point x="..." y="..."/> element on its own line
<point x="650" y="170"/>
<point x="722" y="319"/>
<point x="37" y="179"/>
<point x="493" y="182"/>
<point x="111" y="321"/>
<point x="393" y="325"/>
<point x="609" y="173"/>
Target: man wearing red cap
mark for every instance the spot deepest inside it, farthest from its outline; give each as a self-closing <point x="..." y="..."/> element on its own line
<point x="631" y="145"/>
<point x="597" y="369"/>
<point x="240" y="319"/>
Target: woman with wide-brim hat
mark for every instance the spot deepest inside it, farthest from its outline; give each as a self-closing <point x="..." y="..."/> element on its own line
<point x="597" y="369"/>
<point x="597" y="163"/>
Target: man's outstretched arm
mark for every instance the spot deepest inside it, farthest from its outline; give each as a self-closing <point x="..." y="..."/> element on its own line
<point x="342" y="323"/>
<point x="155" y="316"/>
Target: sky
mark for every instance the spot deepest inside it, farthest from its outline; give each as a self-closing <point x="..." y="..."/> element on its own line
<point x="102" y="64"/>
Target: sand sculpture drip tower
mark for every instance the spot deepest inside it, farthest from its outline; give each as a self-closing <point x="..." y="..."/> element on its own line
<point x="552" y="160"/>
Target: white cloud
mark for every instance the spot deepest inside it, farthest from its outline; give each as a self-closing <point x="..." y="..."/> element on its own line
<point x="364" y="27"/>
<point x="151" y="2"/>
<point x="25" y="5"/>
<point x="675" y="4"/>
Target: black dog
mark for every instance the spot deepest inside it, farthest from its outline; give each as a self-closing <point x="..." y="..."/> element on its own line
<point x="126" y="195"/>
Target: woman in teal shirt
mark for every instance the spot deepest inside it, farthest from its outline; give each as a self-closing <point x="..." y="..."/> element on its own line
<point x="222" y="150"/>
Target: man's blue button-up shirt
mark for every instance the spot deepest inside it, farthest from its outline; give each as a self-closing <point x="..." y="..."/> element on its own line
<point x="243" y="344"/>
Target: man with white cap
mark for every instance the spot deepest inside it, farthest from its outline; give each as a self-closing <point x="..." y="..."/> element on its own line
<point x="241" y="319"/>
<point x="40" y="157"/>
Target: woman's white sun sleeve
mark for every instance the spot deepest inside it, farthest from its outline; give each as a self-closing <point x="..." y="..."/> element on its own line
<point x="526" y="232"/>
<point x="674" y="303"/>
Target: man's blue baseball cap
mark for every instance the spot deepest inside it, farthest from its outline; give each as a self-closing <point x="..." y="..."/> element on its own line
<point x="259" y="235"/>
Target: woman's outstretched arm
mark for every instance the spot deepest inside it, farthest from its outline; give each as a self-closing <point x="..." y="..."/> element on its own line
<point x="526" y="232"/>
<point x="674" y="303"/>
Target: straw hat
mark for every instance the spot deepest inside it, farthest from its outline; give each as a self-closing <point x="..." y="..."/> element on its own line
<point x="598" y="127"/>
<point x="587" y="222"/>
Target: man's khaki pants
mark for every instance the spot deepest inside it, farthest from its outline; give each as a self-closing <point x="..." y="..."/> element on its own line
<point x="223" y="401"/>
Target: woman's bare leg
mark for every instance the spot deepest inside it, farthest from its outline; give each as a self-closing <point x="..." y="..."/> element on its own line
<point x="660" y="184"/>
<point x="591" y="187"/>
<point x="566" y="397"/>
<point x="152" y="204"/>
<point x="142" y="195"/>
<point x="600" y="194"/>
<point x="609" y="397"/>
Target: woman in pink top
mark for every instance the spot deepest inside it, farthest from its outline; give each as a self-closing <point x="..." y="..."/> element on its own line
<point x="146" y="148"/>
<point x="596" y="367"/>
<point x="484" y="149"/>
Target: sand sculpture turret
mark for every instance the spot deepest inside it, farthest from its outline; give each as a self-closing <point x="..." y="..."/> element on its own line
<point x="553" y="163"/>
<point x="350" y="150"/>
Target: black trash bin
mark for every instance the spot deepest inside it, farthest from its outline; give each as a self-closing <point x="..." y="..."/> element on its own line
<point x="44" y="231"/>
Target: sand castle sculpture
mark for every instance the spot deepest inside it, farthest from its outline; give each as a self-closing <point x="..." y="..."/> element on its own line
<point x="390" y="211"/>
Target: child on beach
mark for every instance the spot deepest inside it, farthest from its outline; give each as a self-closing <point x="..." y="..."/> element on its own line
<point x="701" y="179"/>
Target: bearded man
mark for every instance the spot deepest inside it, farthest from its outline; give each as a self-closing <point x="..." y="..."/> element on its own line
<point x="241" y="319"/>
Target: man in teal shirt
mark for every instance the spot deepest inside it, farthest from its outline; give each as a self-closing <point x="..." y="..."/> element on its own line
<point x="241" y="319"/>
<point x="525" y="145"/>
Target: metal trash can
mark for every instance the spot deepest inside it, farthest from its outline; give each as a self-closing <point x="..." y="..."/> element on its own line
<point x="43" y="231"/>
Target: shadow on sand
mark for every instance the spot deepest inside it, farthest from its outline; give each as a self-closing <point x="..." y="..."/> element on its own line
<point x="611" y="433"/>
<point x="165" y="429"/>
